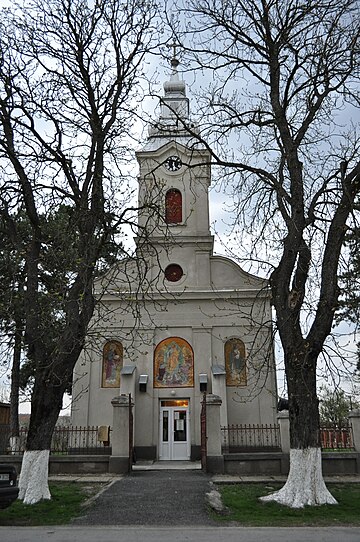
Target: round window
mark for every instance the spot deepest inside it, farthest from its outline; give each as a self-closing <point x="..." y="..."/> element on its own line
<point x="173" y="272"/>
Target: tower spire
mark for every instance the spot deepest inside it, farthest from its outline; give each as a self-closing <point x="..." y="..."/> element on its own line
<point x="174" y="118"/>
<point x="174" y="104"/>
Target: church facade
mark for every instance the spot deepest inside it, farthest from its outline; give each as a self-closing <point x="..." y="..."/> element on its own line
<point x="177" y="320"/>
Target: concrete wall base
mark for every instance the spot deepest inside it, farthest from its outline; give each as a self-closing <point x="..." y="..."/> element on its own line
<point x="258" y="463"/>
<point x="215" y="464"/>
<point x="71" y="464"/>
<point x="145" y="452"/>
<point x="272" y="463"/>
<point x="195" y="453"/>
<point x="346" y="463"/>
<point x="118" y="464"/>
<point x="341" y="463"/>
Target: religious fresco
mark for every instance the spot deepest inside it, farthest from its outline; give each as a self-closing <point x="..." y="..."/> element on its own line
<point x="235" y="362"/>
<point x="173" y="364"/>
<point x="112" y="364"/>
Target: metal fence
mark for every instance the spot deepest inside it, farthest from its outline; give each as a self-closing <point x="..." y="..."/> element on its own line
<point x="259" y="438"/>
<point x="65" y="440"/>
<point x="336" y="439"/>
<point x="251" y="438"/>
<point x="68" y="440"/>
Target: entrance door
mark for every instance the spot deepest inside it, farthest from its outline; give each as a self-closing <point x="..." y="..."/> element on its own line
<point x="174" y="430"/>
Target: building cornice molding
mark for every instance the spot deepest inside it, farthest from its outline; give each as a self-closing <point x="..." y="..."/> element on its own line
<point x="179" y="296"/>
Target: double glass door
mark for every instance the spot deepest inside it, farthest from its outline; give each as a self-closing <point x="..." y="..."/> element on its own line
<point x="174" y="430"/>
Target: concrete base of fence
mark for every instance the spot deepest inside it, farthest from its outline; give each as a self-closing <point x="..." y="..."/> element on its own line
<point x="118" y="464"/>
<point x="270" y="463"/>
<point x="70" y="464"/>
<point x="79" y="464"/>
<point x="146" y="453"/>
<point x="256" y="463"/>
<point x="273" y="463"/>
<point x="335" y="463"/>
<point x="215" y="464"/>
<point x="195" y="453"/>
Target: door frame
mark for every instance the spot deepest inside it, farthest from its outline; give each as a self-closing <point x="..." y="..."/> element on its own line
<point x="171" y="450"/>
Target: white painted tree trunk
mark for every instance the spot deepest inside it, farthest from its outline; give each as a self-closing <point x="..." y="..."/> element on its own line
<point x="33" y="481"/>
<point x="305" y="485"/>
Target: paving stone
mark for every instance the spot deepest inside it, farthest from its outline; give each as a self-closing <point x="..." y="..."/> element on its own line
<point x="161" y="497"/>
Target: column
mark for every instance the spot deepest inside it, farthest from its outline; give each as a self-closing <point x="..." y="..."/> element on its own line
<point x="354" y="418"/>
<point x="218" y="379"/>
<point x="283" y="420"/>
<point x="284" y="423"/>
<point x="214" y="456"/>
<point x="119" y="460"/>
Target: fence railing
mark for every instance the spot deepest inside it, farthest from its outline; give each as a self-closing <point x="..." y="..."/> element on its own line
<point x="65" y="440"/>
<point x="259" y="438"/>
<point x="68" y="440"/>
<point x="252" y="438"/>
<point x="336" y="439"/>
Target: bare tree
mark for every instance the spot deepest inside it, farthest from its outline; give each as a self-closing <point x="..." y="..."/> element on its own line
<point x="279" y="115"/>
<point x="69" y="84"/>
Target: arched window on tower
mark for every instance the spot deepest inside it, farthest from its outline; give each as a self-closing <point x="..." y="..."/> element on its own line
<point x="173" y="206"/>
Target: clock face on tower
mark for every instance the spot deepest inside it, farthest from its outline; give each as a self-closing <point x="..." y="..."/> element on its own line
<point x="173" y="163"/>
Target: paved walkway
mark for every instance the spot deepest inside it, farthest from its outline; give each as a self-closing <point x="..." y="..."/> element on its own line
<point x="162" y="494"/>
<point x="153" y="497"/>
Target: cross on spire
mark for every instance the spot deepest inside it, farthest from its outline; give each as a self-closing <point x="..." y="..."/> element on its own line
<point x="174" y="61"/>
<point x="174" y="45"/>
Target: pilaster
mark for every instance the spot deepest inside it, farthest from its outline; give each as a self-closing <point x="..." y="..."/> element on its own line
<point x="119" y="460"/>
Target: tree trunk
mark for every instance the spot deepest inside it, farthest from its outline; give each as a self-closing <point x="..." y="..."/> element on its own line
<point x="14" y="393"/>
<point x="300" y="369"/>
<point x="33" y="481"/>
<point x="46" y="404"/>
<point x="305" y="484"/>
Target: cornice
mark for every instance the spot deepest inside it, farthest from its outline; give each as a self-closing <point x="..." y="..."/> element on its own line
<point x="187" y="295"/>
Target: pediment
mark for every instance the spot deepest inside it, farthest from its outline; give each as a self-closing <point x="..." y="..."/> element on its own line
<point x="226" y="273"/>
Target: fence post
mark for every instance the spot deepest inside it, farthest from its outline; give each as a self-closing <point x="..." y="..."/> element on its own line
<point x="354" y="418"/>
<point x="215" y="458"/>
<point x="14" y="445"/>
<point x="284" y="424"/>
<point x="203" y="436"/>
<point x="119" y="460"/>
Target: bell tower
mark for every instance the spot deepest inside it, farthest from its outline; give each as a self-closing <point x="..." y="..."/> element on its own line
<point x="173" y="192"/>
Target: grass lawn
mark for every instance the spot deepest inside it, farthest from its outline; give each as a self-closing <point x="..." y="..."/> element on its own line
<point x="246" y="509"/>
<point x="241" y="499"/>
<point x="66" y="504"/>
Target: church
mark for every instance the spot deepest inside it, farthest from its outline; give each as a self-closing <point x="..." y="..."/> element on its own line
<point x="176" y="320"/>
